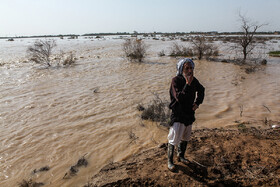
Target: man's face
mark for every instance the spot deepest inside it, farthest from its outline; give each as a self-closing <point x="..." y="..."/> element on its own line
<point x="187" y="69"/>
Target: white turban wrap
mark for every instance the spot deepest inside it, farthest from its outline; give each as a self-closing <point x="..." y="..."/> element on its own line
<point x="181" y="63"/>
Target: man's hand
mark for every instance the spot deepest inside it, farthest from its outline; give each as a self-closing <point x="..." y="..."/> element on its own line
<point x="195" y="107"/>
<point x="189" y="79"/>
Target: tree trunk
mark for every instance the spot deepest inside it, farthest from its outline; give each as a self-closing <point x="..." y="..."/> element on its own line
<point x="244" y="53"/>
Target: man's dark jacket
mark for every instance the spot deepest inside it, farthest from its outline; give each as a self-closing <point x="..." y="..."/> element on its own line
<point x="182" y="97"/>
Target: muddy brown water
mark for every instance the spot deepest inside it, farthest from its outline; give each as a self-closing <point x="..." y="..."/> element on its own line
<point x="54" y="116"/>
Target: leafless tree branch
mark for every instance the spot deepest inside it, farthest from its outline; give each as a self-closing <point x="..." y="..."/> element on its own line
<point x="41" y="51"/>
<point x="247" y="39"/>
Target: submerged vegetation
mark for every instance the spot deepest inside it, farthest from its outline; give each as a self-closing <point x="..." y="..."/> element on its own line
<point x="75" y="168"/>
<point x="82" y="162"/>
<point x="200" y="47"/>
<point x="134" y="49"/>
<point x="30" y="183"/>
<point x="180" y="50"/>
<point x="157" y="111"/>
<point x="42" y="51"/>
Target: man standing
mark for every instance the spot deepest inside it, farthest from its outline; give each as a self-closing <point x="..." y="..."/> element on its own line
<point x="186" y="94"/>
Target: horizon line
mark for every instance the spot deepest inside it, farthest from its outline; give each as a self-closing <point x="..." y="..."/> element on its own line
<point x="134" y="33"/>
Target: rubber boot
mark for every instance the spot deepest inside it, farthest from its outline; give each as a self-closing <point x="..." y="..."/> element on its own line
<point x="181" y="152"/>
<point x="170" y="153"/>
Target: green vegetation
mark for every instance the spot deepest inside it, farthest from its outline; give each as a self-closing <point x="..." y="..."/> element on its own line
<point x="274" y="53"/>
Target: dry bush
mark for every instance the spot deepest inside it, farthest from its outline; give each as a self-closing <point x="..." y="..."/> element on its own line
<point x="75" y="168"/>
<point x="30" y="183"/>
<point x="134" y="49"/>
<point x="69" y="60"/>
<point x="45" y="168"/>
<point x="251" y="69"/>
<point x="161" y="53"/>
<point x="184" y="39"/>
<point x="65" y="59"/>
<point x="41" y="51"/>
<point x="180" y="50"/>
<point x="157" y="111"/>
<point x="201" y="48"/>
<point x="211" y="52"/>
<point x="132" y="136"/>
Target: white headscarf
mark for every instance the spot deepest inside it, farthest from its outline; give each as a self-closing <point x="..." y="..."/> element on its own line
<point x="181" y="63"/>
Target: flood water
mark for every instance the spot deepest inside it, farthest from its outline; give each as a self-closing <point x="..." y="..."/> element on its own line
<point x="54" y="116"/>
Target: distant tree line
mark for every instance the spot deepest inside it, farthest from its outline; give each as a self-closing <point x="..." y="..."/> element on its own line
<point x="145" y="33"/>
<point x="43" y="36"/>
<point x="106" y="34"/>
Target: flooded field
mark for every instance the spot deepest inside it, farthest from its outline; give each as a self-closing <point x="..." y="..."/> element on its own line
<point x="54" y="116"/>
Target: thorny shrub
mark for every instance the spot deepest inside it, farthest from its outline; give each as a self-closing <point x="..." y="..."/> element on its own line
<point x="134" y="49"/>
<point x="65" y="59"/>
<point x="180" y="50"/>
<point x="202" y="47"/>
<point x="157" y="111"/>
<point x="41" y="52"/>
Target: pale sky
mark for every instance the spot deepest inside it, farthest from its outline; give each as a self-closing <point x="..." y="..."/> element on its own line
<point x="52" y="17"/>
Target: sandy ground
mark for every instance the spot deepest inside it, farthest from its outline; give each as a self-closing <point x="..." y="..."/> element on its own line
<point x="218" y="157"/>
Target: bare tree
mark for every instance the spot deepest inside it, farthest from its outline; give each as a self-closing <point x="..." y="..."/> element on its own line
<point x="41" y="51"/>
<point x="247" y="39"/>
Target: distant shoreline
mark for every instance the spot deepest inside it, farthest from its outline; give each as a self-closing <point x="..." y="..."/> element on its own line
<point x="136" y="33"/>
